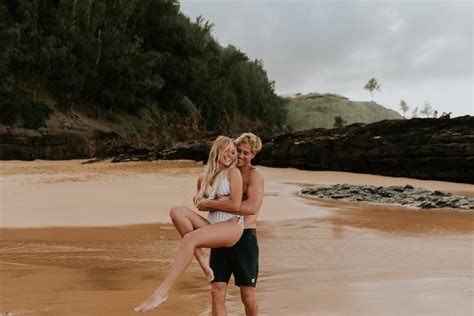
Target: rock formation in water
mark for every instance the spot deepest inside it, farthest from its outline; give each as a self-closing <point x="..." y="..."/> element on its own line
<point x="400" y="195"/>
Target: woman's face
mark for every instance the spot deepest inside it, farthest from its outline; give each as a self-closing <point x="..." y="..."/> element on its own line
<point x="228" y="155"/>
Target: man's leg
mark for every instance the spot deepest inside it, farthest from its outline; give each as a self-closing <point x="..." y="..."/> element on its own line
<point x="219" y="292"/>
<point x="245" y="269"/>
<point x="247" y="294"/>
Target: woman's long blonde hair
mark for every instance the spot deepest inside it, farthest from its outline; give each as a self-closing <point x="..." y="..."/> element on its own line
<point x="212" y="176"/>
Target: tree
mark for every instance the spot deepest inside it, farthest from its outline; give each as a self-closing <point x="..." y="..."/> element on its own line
<point x="414" y="113"/>
<point x="427" y="109"/>
<point x="126" y="55"/>
<point x="372" y="85"/>
<point x="339" y="122"/>
<point x="404" y="107"/>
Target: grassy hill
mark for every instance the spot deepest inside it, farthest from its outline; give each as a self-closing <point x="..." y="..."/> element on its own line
<point x="319" y="111"/>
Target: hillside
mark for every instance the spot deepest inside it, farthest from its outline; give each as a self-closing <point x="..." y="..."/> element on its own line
<point x="319" y="110"/>
<point x="87" y="131"/>
<point x="141" y="71"/>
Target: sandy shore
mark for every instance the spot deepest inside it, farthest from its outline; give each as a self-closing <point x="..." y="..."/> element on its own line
<point x="96" y="239"/>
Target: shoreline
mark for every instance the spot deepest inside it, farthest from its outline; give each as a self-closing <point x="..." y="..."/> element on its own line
<point x="67" y="193"/>
<point x="324" y="257"/>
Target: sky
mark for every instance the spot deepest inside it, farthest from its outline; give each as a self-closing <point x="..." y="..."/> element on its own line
<point x="420" y="51"/>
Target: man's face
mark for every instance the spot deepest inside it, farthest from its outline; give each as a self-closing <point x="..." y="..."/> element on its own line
<point x="245" y="155"/>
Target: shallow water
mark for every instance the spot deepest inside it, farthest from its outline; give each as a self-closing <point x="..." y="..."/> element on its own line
<point x="317" y="257"/>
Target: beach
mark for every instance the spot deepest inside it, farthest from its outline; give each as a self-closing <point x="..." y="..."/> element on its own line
<point x="96" y="239"/>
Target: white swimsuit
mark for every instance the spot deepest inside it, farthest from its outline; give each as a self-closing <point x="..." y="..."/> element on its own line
<point x="219" y="216"/>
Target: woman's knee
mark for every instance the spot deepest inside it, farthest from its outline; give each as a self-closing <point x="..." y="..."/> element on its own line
<point x="176" y="211"/>
<point x="188" y="241"/>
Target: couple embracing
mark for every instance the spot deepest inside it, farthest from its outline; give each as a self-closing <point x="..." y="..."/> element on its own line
<point x="231" y="190"/>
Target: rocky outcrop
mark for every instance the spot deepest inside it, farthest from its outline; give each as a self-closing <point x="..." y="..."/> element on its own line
<point x="441" y="149"/>
<point x="197" y="151"/>
<point x="30" y="145"/>
<point x="399" y="195"/>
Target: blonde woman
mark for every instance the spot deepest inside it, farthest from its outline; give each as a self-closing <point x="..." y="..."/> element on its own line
<point x="220" y="178"/>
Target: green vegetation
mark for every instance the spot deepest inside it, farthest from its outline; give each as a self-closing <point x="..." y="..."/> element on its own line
<point x="306" y="113"/>
<point x="404" y="107"/>
<point x="35" y="114"/>
<point x="339" y="122"/>
<point x="372" y="85"/>
<point x="427" y="110"/>
<point x="125" y="56"/>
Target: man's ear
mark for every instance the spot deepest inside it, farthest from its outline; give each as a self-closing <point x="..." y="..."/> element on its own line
<point x="253" y="154"/>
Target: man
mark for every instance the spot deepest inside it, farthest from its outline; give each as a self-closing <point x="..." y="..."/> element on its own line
<point x="241" y="260"/>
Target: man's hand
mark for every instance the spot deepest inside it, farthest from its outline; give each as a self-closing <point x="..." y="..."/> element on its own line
<point x="223" y="198"/>
<point x="202" y="205"/>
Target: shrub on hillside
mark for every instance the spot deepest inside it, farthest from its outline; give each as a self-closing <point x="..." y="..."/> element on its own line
<point x="339" y="122"/>
<point x="7" y="113"/>
<point x="35" y="114"/>
<point x="64" y="106"/>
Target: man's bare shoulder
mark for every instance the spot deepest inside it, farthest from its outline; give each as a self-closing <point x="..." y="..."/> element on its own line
<point x="255" y="175"/>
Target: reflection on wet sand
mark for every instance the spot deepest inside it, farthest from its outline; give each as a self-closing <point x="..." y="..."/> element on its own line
<point x="317" y="257"/>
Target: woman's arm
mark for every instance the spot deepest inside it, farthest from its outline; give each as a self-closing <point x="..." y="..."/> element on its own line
<point x="232" y="204"/>
<point x="199" y="183"/>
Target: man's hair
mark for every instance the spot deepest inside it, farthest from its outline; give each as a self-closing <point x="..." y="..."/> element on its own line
<point x="250" y="139"/>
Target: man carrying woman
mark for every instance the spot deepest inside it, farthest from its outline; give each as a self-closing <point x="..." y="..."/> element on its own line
<point x="233" y="196"/>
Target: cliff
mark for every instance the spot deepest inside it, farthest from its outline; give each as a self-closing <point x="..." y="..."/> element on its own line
<point x="441" y="149"/>
<point x="436" y="149"/>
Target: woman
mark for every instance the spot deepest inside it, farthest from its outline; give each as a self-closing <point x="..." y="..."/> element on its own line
<point x="220" y="178"/>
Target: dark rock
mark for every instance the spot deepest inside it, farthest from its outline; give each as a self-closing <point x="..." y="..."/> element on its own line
<point x="438" y="149"/>
<point x="94" y="160"/>
<point x="392" y="195"/>
<point x="441" y="149"/>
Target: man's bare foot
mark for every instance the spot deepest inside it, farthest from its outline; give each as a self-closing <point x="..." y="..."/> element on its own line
<point x="151" y="303"/>
<point x="206" y="268"/>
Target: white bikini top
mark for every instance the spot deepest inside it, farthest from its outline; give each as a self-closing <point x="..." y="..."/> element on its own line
<point x="219" y="216"/>
<point x="222" y="190"/>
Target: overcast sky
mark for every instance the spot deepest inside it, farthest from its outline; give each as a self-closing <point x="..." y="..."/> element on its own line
<point x="420" y="51"/>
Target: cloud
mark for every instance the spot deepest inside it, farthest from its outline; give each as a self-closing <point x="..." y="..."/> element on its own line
<point x="336" y="46"/>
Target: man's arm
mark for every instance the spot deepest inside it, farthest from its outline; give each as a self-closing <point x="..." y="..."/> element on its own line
<point x="252" y="204"/>
<point x="231" y="204"/>
<point x="255" y="192"/>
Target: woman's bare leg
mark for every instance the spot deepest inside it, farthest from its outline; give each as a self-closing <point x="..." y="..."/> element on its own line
<point x="185" y="221"/>
<point x="224" y="234"/>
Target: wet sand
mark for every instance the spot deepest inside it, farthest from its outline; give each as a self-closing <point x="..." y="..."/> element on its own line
<point x="96" y="239"/>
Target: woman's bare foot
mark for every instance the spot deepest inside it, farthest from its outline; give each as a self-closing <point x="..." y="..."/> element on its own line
<point x="151" y="303"/>
<point x="203" y="260"/>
